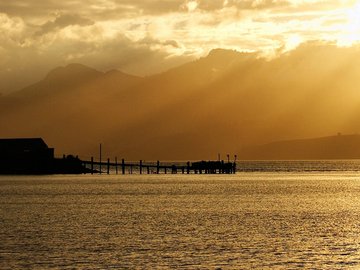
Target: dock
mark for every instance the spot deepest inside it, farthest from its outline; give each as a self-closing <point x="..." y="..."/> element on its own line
<point x="141" y="167"/>
<point x="32" y="156"/>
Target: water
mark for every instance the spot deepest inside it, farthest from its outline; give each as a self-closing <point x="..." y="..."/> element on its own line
<point x="256" y="220"/>
<point x="299" y="166"/>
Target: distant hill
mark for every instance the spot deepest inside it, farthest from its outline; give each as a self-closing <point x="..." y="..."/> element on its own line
<point x="332" y="147"/>
<point x="221" y="103"/>
<point x="63" y="79"/>
<point x="60" y="79"/>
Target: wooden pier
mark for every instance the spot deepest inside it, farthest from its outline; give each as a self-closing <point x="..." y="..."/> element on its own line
<point x="141" y="167"/>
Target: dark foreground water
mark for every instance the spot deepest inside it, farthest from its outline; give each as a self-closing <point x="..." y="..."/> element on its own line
<point x="246" y="221"/>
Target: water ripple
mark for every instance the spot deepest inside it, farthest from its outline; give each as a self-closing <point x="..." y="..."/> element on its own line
<point x="247" y="221"/>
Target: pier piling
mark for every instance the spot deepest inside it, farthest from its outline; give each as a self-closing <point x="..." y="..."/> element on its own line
<point x="201" y="167"/>
<point x="100" y="158"/>
<point x="92" y="165"/>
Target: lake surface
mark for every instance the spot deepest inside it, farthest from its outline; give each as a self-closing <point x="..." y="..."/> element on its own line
<point x="251" y="220"/>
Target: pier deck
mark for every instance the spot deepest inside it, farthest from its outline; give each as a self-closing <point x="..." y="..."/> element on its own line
<point x="200" y="167"/>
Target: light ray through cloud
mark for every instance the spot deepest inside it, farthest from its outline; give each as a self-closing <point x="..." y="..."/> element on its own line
<point x="52" y="33"/>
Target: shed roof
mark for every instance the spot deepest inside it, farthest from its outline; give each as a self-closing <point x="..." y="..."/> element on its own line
<point x="22" y="143"/>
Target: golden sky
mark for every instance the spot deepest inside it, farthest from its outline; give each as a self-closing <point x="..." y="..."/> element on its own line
<point x="148" y="36"/>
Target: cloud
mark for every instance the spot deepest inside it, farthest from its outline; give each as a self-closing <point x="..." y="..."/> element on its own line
<point x="113" y="33"/>
<point x="150" y="42"/>
<point x="106" y="9"/>
<point x="31" y="57"/>
<point x="63" y="21"/>
<point x="190" y="5"/>
<point x="11" y="28"/>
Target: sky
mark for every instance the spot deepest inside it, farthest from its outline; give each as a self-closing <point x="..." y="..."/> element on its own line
<point x="144" y="37"/>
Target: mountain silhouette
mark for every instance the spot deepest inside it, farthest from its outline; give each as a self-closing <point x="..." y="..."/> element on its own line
<point x="60" y="79"/>
<point x="331" y="147"/>
<point x="221" y="103"/>
<point x="67" y="78"/>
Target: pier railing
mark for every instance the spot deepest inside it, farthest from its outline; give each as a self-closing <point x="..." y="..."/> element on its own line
<point x="141" y="167"/>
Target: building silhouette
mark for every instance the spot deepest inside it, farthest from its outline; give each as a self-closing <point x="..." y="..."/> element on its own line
<point x="33" y="156"/>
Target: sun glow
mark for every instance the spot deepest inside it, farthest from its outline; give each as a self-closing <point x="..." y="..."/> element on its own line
<point x="350" y="32"/>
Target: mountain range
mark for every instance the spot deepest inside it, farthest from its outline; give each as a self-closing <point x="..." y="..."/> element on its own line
<point x="226" y="102"/>
<point x="330" y="147"/>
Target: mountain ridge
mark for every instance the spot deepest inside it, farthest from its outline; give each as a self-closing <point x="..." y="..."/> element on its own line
<point x="64" y="77"/>
<point x="216" y="104"/>
<point x="329" y="147"/>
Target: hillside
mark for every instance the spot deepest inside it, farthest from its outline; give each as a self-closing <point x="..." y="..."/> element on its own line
<point x="218" y="104"/>
<point x="332" y="147"/>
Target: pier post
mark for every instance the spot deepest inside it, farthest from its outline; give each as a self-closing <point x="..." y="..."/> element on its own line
<point x="165" y="170"/>
<point x="123" y="166"/>
<point x="116" y="165"/>
<point x="173" y="169"/>
<point x="131" y="169"/>
<point x="92" y="165"/>
<point x="188" y="167"/>
<point x="100" y="158"/>
<point x="148" y="169"/>
<point x="158" y="167"/>
<point x="234" y="165"/>
<point x="108" y="166"/>
<point x="140" y="167"/>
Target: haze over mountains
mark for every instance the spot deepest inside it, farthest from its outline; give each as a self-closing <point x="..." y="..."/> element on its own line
<point x="331" y="147"/>
<point x="222" y="103"/>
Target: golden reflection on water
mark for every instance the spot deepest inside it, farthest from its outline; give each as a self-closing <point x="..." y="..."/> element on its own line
<point x="243" y="221"/>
